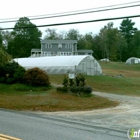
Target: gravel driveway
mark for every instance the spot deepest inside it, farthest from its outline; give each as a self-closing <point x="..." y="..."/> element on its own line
<point x="122" y="117"/>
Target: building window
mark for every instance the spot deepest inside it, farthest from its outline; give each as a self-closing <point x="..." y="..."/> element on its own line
<point x="59" y="46"/>
<point x="50" y="45"/>
<point x="69" y="46"/>
<point x="66" y="45"/>
<point x="43" y="45"/>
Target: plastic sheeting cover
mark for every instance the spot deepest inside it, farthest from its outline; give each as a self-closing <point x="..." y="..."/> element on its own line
<point x="63" y="64"/>
<point x="133" y="60"/>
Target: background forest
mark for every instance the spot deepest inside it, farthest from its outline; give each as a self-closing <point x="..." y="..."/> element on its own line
<point x="117" y="44"/>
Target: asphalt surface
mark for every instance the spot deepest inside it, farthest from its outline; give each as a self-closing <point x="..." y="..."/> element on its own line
<point x="33" y="126"/>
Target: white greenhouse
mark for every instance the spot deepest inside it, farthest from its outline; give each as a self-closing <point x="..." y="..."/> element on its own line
<point x="63" y="64"/>
<point x="132" y="60"/>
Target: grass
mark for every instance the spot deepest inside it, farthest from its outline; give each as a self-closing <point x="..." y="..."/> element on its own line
<point x="126" y="86"/>
<point x="116" y="68"/>
<point x="129" y="84"/>
<point x="22" y="97"/>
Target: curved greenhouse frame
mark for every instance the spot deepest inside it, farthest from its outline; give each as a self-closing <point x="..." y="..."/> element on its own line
<point x="63" y="64"/>
<point x="132" y="60"/>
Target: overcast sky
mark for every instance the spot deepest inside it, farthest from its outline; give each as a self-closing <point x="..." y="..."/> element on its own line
<point x="25" y="8"/>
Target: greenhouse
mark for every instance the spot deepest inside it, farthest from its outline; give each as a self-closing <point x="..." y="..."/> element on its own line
<point x="63" y="64"/>
<point x="133" y="60"/>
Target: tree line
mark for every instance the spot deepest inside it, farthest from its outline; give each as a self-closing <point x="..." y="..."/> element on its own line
<point x="113" y="43"/>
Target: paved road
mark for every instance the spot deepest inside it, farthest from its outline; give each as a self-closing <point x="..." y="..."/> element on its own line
<point x="31" y="126"/>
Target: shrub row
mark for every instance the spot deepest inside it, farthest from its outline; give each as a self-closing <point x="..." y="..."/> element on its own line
<point x="85" y="90"/>
<point x="62" y="89"/>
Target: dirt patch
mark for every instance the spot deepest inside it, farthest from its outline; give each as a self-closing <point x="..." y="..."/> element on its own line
<point x="122" y="117"/>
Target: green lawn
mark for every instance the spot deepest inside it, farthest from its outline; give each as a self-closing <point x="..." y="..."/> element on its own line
<point x="110" y="81"/>
<point x="128" y="84"/>
<point x="22" y="97"/>
<point x="115" y="68"/>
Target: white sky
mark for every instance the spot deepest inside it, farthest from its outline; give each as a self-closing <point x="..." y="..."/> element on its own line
<point x="25" y="8"/>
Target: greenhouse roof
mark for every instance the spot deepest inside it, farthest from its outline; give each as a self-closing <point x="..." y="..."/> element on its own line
<point x="52" y="60"/>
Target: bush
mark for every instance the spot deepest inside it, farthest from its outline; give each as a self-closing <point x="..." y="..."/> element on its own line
<point x="71" y="82"/>
<point x="2" y="73"/>
<point x="87" y="90"/>
<point x="10" y="81"/>
<point x="19" y="74"/>
<point x="74" y="89"/>
<point x="10" y="68"/>
<point x="11" y="73"/>
<point x="36" y="77"/>
<point x="62" y="89"/>
<point x="76" y="86"/>
<point x="80" y="80"/>
<point x="4" y="57"/>
<point x="2" y="79"/>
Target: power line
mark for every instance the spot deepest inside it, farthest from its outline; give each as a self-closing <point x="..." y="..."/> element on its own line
<point x="90" y="9"/>
<point x="76" y="13"/>
<point x="68" y="23"/>
<point x="76" y="10"/>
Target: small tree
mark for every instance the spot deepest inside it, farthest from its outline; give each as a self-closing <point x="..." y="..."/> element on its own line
<point x="71" y="82"/>
<point x="4" y="57"/>
<point x="76" y="85"/>
<point x="65" y="81"/>
<point x="80" y="80"/>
